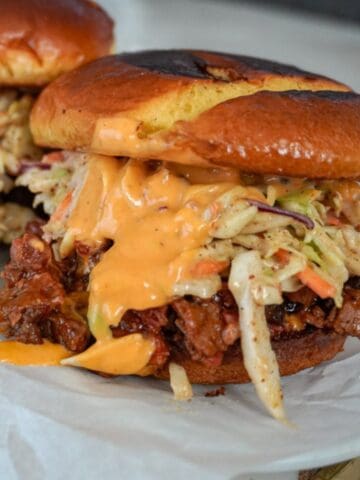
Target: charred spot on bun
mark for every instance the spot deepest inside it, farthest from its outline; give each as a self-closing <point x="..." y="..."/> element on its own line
<point x="204" y="221"/>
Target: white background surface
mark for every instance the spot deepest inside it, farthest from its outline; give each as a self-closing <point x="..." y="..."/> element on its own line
<point x="59" y="423"/>
<point x="305" y="41"/>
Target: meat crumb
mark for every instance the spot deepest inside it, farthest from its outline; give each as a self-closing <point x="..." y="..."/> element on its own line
<point x="215" y="393"/>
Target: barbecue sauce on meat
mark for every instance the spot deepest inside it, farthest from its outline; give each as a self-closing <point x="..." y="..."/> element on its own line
<point x="45" y="299"/>
<point x="35" y="305"/>
<point x="137" y="210"/>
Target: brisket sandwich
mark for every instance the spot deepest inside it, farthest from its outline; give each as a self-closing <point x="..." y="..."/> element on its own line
<point x="39" y="40"/>
<point x="204" y="221"/>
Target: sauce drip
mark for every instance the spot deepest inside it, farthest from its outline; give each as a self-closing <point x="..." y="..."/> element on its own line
<point x="46" y="354"/>
<point x="127" y="355"/>
<point x="156" y="220"/>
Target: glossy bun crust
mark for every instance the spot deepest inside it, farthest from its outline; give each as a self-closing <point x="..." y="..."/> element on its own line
<point x="293" y="354"/>
<point x="40" y="39"/>
<point x="293" y="133"/>
<point x="205" y="108"/>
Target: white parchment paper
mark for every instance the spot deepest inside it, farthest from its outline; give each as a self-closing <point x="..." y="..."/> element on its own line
<point x="59" y="423"/>
<point x="54" y="421"/>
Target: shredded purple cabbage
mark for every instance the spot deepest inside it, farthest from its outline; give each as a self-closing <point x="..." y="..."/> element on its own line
<point x="263" y="207"/>
<point x="27" y="165"/>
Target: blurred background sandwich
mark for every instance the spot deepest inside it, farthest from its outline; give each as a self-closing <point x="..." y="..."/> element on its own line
<point x="39" y="40"/>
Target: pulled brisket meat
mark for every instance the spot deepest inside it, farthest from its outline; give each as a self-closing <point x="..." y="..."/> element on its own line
<point x="209" y="326"/>
<point x="46" y="298"/>
<point x="34" y="304"/>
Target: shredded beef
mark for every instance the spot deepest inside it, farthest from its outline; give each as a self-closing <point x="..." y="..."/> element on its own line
<point x="216" y="392"/>
<point x="45" y="298"/>
<point x="347" y="319"/>
<point x="34" y="303"/>
<point x="354" y="282"/>
<point x="323" y="313"/>
<point x="209" y="326"/>
<point x="35" y="227"/>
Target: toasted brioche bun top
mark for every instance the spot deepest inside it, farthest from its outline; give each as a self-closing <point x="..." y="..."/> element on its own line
<point x="40" y="39"/>
<point x="204" y="108"/>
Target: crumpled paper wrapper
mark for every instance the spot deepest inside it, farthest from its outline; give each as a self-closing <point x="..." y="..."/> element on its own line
<point x="59" y="421"/>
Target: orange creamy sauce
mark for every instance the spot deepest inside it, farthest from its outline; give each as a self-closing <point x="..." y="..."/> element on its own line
<point x="156" y="220"/>
<point x="117" y="356"/>
<point x="28" y="354"/>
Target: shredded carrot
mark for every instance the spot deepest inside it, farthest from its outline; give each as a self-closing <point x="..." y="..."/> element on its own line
<point x="208" y="267"/>
<point x="309" y="277"/>
<point x="316" y="283"/>
<point x="332" y="220"/>
<point x="282" y="256"/>
<point x="53" y="157"/>
<point x="62" y="207"/>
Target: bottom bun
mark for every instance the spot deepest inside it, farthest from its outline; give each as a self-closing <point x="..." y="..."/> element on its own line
<point x="293" y="354"/>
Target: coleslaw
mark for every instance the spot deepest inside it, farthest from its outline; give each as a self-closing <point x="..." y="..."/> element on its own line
<point x="268" y="236"/>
